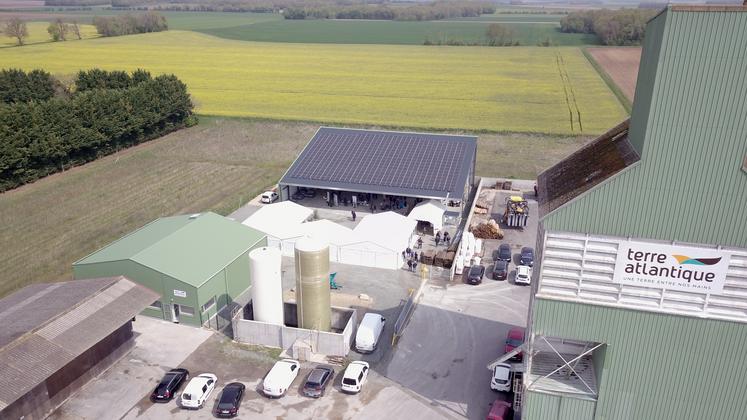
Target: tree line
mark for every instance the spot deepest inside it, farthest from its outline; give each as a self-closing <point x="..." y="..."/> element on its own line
<point x="42" y="133"/>
<point x="60" y="30"/>
<point x="613" y="27"/>
<point x="130" y="24"/>
<point x="428" y="11"/>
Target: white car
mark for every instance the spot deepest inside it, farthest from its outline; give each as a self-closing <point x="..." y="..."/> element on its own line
<point x="280" y="377"/>
<point x="501" y="380"/>
<point x="354" y="377"/>
<point x="198" y="390"/>
<point x="523" y="274"/>
<point x="269" y="197"/>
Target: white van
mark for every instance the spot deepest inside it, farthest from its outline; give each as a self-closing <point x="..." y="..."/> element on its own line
<point x="369" y="332"/>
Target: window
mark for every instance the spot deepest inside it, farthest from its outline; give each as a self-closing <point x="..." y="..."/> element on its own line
<point x="209" y="304"/>
<point x="187" y="310"/>
<point x="156" y="305"/>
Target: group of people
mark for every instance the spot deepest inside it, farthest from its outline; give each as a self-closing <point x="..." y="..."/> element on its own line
<point x="412" y="258"/>
<point x="446" y="238"/>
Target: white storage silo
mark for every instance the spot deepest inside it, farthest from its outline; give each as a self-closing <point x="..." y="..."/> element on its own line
<point x="267" y="288"/>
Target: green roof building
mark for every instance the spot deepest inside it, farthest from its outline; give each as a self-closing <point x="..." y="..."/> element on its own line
<point x="639" y="295"/>
<point x="198" y="263"/>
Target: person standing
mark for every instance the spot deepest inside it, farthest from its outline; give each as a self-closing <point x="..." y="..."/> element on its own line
<point x="438" y="238"/>
<point x="409" y="265"/>
<point x="420" y="242"/>
<point x="414" y="256"/>
<point x="353" y="213"/>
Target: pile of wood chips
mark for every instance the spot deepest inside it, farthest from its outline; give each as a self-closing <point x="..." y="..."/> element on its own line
<point x="489" y="230"/>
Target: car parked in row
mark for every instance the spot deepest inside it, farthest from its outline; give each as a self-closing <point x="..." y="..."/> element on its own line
<point x="230" y="400"/>
<point x="501" y="380"/>
<point x="527" y="256"/>
<point x="503" y="253"/>
<point x="170" y="383"/>
<point x="354" y="377"/>
<point x="198" y="390"/>
<point x="280" y="377"/>
<point x="475" y="274"/>
<point x="523" y="274"/>
<point x="317" y="381"/>
<point x="500" y="270"/>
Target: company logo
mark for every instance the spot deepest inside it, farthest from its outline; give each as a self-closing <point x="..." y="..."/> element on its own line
<point x="684" y="259"/>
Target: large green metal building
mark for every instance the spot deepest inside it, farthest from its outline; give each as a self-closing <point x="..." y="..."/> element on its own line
<point x="198" y="263"/>
<point x="639" y="300"/>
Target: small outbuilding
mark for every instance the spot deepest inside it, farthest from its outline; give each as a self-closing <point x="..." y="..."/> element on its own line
<point x="56" y="337"/>
<point x="197" y="263"/>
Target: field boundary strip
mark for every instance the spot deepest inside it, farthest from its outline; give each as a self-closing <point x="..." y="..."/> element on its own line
<point x="621" y="97"/>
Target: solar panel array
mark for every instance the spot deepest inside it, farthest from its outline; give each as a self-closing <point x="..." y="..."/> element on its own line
<point x="410" y="161"/>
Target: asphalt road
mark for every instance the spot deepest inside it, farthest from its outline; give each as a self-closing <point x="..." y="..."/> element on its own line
<point x="453" y="334"/>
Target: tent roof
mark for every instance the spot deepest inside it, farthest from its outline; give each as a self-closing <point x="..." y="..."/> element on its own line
<point x="428" y="211"/>
<point x="389" y="230"/>
<point x="326" y="231"/>
<point x="279" y="219"/>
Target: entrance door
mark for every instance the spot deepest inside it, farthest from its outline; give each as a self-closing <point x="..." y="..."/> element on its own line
<point x="175" y="313"/>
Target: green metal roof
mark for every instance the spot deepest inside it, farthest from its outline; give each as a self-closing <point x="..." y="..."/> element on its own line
<point x="689" y="124"/>
<point x="187" y="248"/>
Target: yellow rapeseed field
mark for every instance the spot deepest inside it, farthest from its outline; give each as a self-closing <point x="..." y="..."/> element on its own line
<point x="521" y="89"/>
<point x="38" y="33"/>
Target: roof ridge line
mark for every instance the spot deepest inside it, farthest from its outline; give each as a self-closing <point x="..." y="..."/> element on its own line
<point x="29" y="333"/>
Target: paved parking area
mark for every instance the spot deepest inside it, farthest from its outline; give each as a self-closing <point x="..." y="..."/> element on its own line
<point x="159" y="346"/>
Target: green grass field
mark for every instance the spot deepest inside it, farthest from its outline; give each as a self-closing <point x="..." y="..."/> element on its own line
<point x="392" y="32"/>
<point x="218" y="165"/>
<point x="518" y="89"/>
<point x="528" y="29"/>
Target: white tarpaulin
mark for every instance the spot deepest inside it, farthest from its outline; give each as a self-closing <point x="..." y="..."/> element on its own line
<point x="431" y="211"/>
<point x="378" y="241"/>
<point x="279" y="220"/>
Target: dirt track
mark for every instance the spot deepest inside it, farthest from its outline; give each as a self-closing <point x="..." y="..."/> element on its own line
<point x="621" y="63"/>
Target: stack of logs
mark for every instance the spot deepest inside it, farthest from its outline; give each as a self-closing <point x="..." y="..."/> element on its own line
<point x="481" y="207"/>
<point x="489" y="230"/>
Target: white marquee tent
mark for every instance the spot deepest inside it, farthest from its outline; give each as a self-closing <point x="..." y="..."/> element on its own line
<point x="431" y="211"/>
<point x="378" y="241"/>
<point x="280" y="221"/>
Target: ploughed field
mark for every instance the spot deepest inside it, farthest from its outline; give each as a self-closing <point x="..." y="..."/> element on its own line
<point x="621" y="64"/>
<point x="517" y="89"/>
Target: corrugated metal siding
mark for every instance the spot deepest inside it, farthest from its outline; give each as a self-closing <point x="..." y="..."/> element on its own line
<point x="539" y="406"/>
<point x="688" y="185"/>
<point x="657" y="366"/>
<point x="644" y="88"/>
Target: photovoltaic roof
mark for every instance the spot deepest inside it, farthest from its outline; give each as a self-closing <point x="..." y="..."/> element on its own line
<point x="385" y="162"/>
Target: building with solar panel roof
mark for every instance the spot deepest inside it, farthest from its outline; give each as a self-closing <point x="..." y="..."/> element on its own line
<point x="369" y="166"/>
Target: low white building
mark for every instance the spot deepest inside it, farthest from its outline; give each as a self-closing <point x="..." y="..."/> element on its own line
<point x="429" y="215"/>
<point x="280" y="221"/>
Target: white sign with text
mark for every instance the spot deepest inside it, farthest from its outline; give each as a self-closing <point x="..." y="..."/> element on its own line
<point x="660" y="266"/>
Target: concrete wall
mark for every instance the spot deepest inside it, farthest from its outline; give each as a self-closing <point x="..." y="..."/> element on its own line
<point x="248" y="331"/>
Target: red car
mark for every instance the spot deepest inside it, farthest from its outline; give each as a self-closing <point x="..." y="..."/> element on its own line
<point x="514" y="339"/>
<point x="499" y="410"/>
